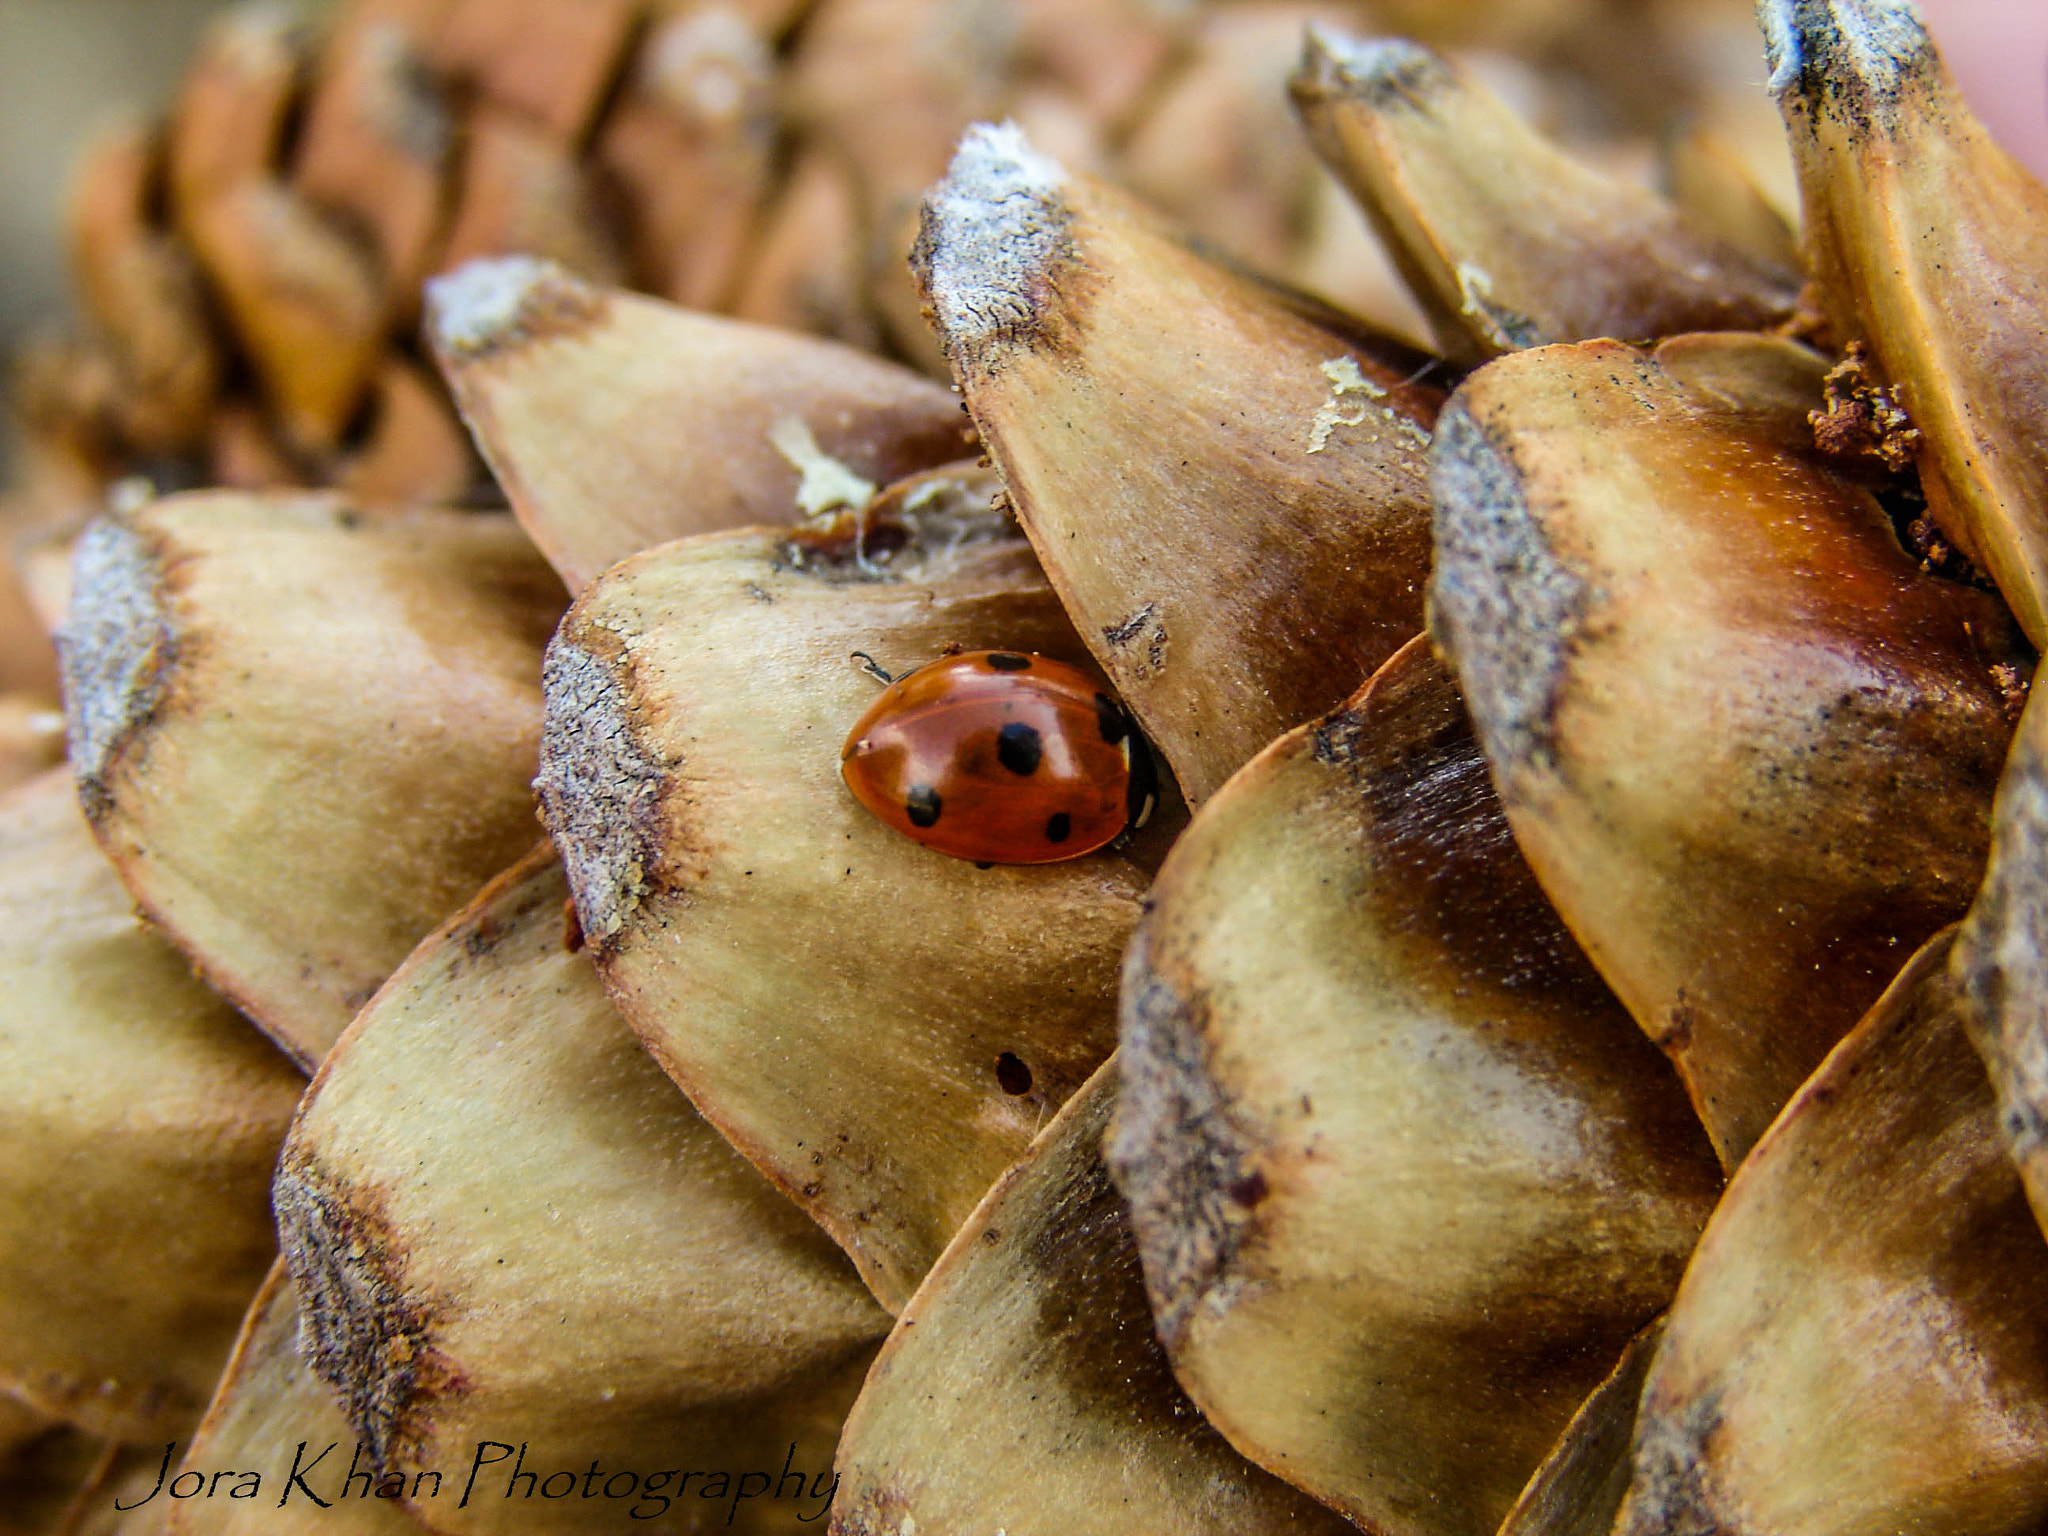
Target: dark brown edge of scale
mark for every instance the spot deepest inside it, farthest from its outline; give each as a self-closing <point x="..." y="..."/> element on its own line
<point x="1183" y="1164"/>
<point x="1503" y="605"/>
<point x="116" y="652"/>
<point x="361" y="1330"/>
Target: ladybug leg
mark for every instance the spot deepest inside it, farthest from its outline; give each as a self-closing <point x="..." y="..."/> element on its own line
<point x="869" y="665"/>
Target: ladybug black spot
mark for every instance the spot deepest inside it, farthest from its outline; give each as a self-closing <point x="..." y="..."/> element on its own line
<point x="1012" y="1076"/>
<point x="1009" y="661"/>
<point x="1058" y="826"/>
<point x="1110" y="718"/>
<point x="1019" y="747"/>
<point x="922" y="805"/>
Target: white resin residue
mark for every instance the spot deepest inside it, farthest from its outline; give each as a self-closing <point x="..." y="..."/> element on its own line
<point x="826" y="483"/>
<point x="993" y="226"/>
<point x="1338" y="411"/>
<point x="472" y="308"/>
<point x="1364" y="59"/>
<point x="1878" y="39"/>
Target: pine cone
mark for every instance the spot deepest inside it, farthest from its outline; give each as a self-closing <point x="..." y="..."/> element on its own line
<point x="1564" y="1055"/>
<point x="251" y="266"/>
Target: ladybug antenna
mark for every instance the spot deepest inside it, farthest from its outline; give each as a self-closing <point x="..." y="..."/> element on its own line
<point x="873" y="668"/>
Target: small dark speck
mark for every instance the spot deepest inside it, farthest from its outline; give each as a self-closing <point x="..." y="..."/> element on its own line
<point x="1129" y="630"/>
<point x="1008" y="661"/>
<point x="1012" y="1076"/>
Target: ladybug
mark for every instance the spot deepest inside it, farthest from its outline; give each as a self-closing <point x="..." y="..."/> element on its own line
<point x="1000" y="757"/>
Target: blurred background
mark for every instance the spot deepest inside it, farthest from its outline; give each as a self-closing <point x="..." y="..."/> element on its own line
<point x="68" y="66"/>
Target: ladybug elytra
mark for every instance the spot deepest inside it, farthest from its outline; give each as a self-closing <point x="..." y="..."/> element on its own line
<point x="1000" y="757"/>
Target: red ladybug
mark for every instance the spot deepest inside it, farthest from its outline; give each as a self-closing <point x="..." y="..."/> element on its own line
<point x="1002" y="758"/>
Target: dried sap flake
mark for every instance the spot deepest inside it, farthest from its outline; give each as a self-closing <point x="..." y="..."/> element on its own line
<point x="827" y="483"/>
<point x="1339" y="411"/>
